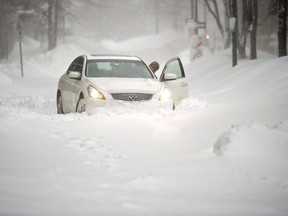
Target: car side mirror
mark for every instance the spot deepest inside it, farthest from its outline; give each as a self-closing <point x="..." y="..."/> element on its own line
<point x="74" y="75"/>
<point x="170" y="76"/>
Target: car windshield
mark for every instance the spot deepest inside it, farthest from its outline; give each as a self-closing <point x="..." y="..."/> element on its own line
<point x="117" y="68"/>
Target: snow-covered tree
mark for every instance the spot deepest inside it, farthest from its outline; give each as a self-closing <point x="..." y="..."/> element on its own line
<point x="253" y="21"/>
<point x="227" y="6"/>
<point x="248" y="10"/>
<point x="216" y="15"/>
<point x="243" y="30"/>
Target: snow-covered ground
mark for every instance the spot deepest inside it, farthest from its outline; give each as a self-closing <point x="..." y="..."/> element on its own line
<point x="223" y="151"/>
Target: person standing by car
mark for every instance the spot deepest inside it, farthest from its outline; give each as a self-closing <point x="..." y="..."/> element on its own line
<point x="154" y="66"/>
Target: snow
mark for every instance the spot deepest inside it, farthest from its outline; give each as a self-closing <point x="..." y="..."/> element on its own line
<point x="223" y="151"/>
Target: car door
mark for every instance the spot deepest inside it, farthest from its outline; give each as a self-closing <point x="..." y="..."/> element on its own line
<point x="73" y="85"/>
<point x="173" y="76"/>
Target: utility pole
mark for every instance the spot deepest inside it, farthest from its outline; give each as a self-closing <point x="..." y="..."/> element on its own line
<point x="194" y="13"/>
<point x="19" y="29"/>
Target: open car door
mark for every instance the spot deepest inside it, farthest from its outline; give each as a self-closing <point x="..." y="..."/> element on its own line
<point x="173" y="76"/>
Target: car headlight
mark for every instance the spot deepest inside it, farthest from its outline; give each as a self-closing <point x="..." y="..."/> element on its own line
<point x="165" y="95"/>
<point x="95" y="93"/>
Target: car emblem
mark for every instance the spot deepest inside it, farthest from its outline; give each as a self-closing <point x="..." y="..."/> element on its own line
<point x="132" y="96"/>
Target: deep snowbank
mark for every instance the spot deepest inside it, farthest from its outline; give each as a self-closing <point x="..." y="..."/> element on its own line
<point x="258" y="145"/>
<point x="259" y="83"/>
<point x="55" y="62"/>
<point x="48" y="64"/>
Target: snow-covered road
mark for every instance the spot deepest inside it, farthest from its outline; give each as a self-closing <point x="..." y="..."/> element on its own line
<point x="223" y="151"/>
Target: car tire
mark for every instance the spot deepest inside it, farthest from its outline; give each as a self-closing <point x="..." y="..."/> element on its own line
<point x="59" y="104"/>
<point x="80" y="107"/>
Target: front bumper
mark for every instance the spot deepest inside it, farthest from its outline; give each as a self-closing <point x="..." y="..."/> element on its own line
<point x="92" y="104"/>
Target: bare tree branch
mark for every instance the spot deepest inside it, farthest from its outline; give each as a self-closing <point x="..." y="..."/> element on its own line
<point x="264" y="20"/>
<point x="215" y="15"/>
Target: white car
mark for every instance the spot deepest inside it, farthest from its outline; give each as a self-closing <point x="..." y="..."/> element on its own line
<point x="97" y="80"/>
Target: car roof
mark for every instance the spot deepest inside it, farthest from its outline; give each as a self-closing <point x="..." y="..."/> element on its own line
<point x="112" y="56"/>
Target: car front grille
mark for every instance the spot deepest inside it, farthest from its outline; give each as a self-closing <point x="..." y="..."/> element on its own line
<point x="131" y="96"/>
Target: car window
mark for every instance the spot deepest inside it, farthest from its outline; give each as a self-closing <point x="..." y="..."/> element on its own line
<point x="174" y="68"/>
<point x="72" y="66"/>
<point x="76" y="65"/>
<point x="79" y="64"/>
<point x="117" y="68"/>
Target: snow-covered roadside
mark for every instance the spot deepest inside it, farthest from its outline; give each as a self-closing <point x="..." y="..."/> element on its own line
<point x="222" y="152"/>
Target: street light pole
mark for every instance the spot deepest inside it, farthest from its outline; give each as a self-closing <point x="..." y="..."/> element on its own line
<point x="19" y="29"/>
<point x="194" y="12"/>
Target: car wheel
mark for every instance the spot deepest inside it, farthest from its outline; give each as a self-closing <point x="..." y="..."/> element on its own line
<point x="80" y="107"/>
<point x="59" y="104"/>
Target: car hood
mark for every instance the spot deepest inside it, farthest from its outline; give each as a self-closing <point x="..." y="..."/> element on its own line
<point x="112" y="85"/>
